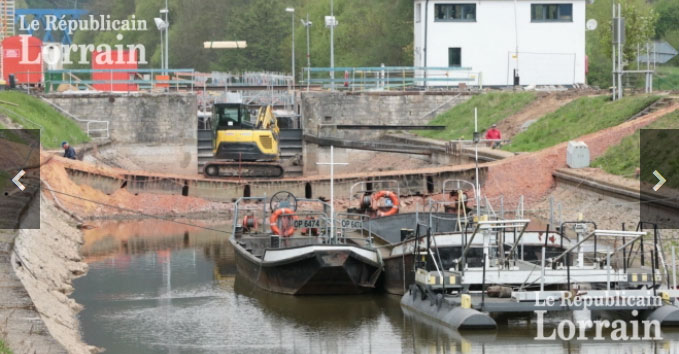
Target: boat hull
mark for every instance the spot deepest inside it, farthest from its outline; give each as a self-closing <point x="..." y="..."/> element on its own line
<point x="312" y="270"/>
<point x="399" y="273"/>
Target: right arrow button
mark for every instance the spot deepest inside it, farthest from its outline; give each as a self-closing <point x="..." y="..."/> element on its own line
<point x="661" y="180"/>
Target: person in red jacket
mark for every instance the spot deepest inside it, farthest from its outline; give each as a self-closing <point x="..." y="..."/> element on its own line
<point x="493" y="134"/>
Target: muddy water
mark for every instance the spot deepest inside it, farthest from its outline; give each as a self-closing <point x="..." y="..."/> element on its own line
<point x="156" y="287"/>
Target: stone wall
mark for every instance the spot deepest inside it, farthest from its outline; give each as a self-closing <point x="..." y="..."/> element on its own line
<point x="157" y="129"/>
<point x="321" y="110"/>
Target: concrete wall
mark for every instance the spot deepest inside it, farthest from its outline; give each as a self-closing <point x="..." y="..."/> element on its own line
<point x="412" y="183"/>
<point x="321" y="110"/>
<point x="550" y="53"/>
<point x="156" y="129"/>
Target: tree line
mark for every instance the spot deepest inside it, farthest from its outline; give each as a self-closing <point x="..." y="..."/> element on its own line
<point x="369" y="33"/>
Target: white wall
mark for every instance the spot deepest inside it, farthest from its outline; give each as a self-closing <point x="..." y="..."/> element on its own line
<point x="550" y="53"/>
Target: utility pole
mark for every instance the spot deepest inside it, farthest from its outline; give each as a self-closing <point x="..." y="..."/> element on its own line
<point x="332" y="24"/>
<point x="307" y="24"/>
<point x="621" y="28"/>
<point x="166" y="10"/>
<point x="292" y="11"/>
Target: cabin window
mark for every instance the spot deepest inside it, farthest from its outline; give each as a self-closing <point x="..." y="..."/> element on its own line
<point x="455" y="12"/>
<point x="551" y="12"/>
<point x="418" y="13"/>
<point x="454" y="57"/>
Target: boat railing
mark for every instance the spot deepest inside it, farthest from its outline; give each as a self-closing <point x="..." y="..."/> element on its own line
<point x="629" y="240"/>
<point x="348" y="223"/>
<point x="360" y="189"/>
<point x="254" y="205"/>
<point x="307" y="211"/>
<point x="494" y="226"/>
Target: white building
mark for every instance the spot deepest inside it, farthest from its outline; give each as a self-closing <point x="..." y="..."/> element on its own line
<point x="486" y="35"/>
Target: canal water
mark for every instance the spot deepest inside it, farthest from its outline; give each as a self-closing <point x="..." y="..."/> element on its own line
<point x="161" y="287"/>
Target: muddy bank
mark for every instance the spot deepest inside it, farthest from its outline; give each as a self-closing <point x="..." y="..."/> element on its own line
<point x="21" y="327"/>
<point x="46" y="261"/>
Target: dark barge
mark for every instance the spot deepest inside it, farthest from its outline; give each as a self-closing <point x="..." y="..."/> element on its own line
<point x="294" y="252"/>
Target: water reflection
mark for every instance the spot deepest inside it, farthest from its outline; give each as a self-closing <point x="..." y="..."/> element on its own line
<point x="163" y="288"/>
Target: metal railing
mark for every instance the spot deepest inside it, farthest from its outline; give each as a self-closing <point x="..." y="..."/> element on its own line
<point x="118" y="80"/>
<point x="245" y="79"/>
<point x="390" y="77"/>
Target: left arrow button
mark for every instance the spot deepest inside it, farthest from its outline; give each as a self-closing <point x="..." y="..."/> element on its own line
<point x="17" y="178"/>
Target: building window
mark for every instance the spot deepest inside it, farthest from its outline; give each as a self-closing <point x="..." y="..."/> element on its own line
<point x="455" y="12"/>
<point x="418" y="13"/>
<point x="551" y="12"/>
<point x="454" y="57"/>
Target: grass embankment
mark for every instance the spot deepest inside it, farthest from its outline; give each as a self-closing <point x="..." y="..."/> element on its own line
<point x="584" y="115"/>
<point x="3" y="348"/>
<point x="492" y="108"/>
<point x="32" y="113"/>
<point x="624" y="158"/>
<point x="666" y="78"/>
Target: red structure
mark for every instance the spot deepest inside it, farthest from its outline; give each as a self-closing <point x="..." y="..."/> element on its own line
<point x="114" y="79"/>
<point x="22" y="57"/>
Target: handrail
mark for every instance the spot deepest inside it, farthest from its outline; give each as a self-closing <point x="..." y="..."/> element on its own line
<point x="388" y="68"/>
<point x="610" y="233"/>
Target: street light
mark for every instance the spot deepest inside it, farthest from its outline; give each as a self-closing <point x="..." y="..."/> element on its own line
<point x="292" y="11"/>
<point x="162" y="26"/>
<point x="166" y="11"/>
<point x="307" y="25"/>
<point x="331" y="22"/>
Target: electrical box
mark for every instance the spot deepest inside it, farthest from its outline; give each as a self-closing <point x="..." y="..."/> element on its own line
<point x="577" y="154"/>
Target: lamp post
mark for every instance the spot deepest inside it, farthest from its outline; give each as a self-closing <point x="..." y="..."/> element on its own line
<point x="331" y="23"/>
<point x="292" y="11"/>
<point x="162" y="27"/>
<point x="165" y="11"/>
<point x="307" y="25"/>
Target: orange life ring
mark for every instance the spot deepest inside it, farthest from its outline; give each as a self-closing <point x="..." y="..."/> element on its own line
<point x="290" y="229"/>
<point x="394" y="203"/>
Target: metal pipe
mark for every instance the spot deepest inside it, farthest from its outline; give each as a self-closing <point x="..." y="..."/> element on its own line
<point x="332" y="46"/>
<point x="608" y="271"/>
<point x="483" y="285"/>
<point x="674" y="269"/>
<point x="655" y="242"/>
<point x="620" y="67"/>
<point x="307" y="24"/>
<point x="426" y="28"/>
<point x="293" y="50"/>
<point x="653" y="253"/>
<point x="568" y="270"/>
<point x="641" y="244"/>
<point x="542" y="276"/>
<point x="615" y="88"/>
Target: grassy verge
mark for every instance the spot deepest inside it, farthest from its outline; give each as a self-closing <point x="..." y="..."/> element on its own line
<point x="492" y="108"/>
<point x="3" y="348"/>
<point x="582" y="116"/>
<point x="666" y="78"/>
<point x="623" y="159"/>
<point x="32" y="113"/>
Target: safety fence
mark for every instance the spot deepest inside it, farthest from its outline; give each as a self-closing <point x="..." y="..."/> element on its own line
<point x="132" y="80"/>
<point x="390" y="77"/>
<point x="117" y="80"/>
<point x="381" y="78"/>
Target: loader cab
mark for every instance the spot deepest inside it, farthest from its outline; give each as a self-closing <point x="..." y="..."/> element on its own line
<point x="230" y="116"/>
